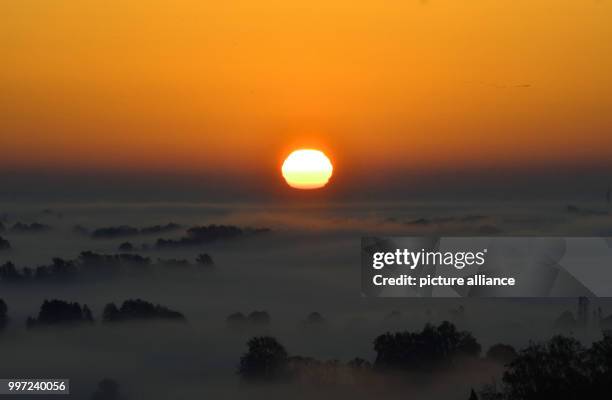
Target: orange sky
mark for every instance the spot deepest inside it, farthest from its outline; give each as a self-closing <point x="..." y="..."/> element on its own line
<point x="193" y="86"/>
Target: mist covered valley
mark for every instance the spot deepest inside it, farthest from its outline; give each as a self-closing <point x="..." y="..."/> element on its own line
<point x="236" y="271"/>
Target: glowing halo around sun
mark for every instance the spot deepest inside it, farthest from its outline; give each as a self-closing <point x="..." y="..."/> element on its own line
<point x="307" y="169"/>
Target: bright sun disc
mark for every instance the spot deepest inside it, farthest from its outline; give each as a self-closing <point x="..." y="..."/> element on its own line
<point x="307" y="169"/>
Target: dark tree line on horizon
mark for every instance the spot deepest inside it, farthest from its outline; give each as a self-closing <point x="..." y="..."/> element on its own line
<point x="59" y="312"/>
<point x="139" y="310"/>
<point x="91" y="263"/>
<point x="560" y="369"/>
<point x="34" y="227"/>
<point x="194" y="236"/>
<point x="199" y="235"/>
<point x="62" y="313"/>
<point x="121" y="231"/>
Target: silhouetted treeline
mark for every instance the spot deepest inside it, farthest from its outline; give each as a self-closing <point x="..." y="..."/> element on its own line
<point x="113" y="232"/>
<point x="34" y="227"/>
<point x="4" y="244"/>
<point x="59" y="312"/>
<point x="3" y="314"/>
<point x="425" y="351"/>
<point x="207" y="234"/>
<point x="203" y="260"/>
<point x="88" y="263"/>
<point x="59" y="269"/>
<point x="266" y="360"/>
<point x="433" y="349"/>
<point x="138" y="309"/>
<point x="560" y="369"/>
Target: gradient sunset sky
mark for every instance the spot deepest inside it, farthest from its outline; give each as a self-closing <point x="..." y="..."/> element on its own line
<point x="230" y="87"/>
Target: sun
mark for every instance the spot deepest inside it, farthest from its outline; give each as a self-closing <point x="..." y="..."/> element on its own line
<point x="307" y="169"/>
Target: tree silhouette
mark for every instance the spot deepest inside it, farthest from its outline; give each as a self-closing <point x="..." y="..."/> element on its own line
<point x="430" y="349"/>
<point x="560" y="369"/>
<point x="555" y="370"/>
<point x="205" y="260"/>
<point x="199" y="235"/>
<point x="9" y="274"/>
<point x="266" y="360"/>
<point x="139" y="310"/>
<point x="473" y="395"/>
<point x="3" y="314"/>
<point x="599" y="363"/>
<point x="110" y="313"/>
<point x="4" y="244"/>
<point x="87" y="315"/>
<point x="58" y="312"/>
<point x="60" y="269"/>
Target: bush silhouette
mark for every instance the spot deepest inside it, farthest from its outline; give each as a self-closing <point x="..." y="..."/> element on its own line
<point x="266" y="360"/>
